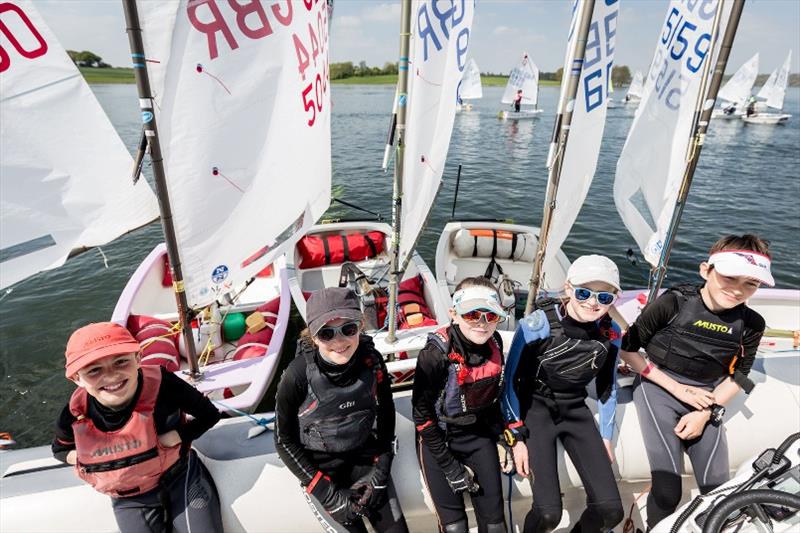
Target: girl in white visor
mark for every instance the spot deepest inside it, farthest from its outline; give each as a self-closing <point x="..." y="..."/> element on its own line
<point x="700" y="342"/>
<point x="457" y="385"/>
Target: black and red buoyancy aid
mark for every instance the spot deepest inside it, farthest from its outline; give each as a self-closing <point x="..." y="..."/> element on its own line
<point x="128" y="461"/>
<point x="468" y="389"/>
<point x="316" y="251"/>
<point x="698" y="343"/>
<point x="336" y="418"/>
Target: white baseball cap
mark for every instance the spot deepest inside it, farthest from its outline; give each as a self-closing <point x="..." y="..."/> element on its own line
<point x="476" y="297"/>
<point x="588" y="268"/>
<point x="743" y="263"/>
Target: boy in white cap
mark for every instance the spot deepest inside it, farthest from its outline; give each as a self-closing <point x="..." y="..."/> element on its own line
<point x="701" y="342"/>
<point x="556" y="352"/>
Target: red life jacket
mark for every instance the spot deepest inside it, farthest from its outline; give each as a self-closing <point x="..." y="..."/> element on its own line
<point x="128" y="461"/>
<point x="335" y="249"/>
<point x="413" y="310"/>
<point x="469" y="389"/>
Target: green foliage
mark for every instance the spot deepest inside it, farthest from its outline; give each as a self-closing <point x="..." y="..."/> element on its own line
<point x="620" y="75"/>
<point x="87" y="59"/>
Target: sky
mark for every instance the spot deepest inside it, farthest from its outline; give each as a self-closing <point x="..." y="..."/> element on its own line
<point x="502" y="30"/>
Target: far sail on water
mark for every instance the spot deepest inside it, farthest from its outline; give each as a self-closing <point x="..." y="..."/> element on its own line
<point x="438" y="59"/>
<point x="653" y="161"/>
<point x="234" y="94"/>
<point x="525" y="78"/>
<point x="588" y="123"/>
<point x="65" y="175"/>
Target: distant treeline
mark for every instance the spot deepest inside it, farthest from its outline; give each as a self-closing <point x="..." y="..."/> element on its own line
<point x="620" y="75"/>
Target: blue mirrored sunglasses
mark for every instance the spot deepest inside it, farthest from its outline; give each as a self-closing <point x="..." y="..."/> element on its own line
<point x="603" y="297"/>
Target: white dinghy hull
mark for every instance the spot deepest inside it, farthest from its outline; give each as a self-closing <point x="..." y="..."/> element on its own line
<point x="248" y="379"/>
<point x="767" y="118"/>
<point x="523" y="114"/>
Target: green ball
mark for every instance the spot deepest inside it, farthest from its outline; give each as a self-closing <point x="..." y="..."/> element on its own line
<point x="233" y="327"/>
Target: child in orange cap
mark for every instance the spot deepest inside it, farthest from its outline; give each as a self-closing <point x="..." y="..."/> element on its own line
<point x="125" y="431"/>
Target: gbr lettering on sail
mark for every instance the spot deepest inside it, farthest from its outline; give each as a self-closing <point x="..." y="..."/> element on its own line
<point x="257" y="19"/>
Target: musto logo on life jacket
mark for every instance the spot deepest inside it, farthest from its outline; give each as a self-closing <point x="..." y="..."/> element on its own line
<point x="124" y="446"/>
<point x="469" y="389"/>
<point x="711" y="326"/>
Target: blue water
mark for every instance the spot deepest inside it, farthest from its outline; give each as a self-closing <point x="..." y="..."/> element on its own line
<point x="747" y="181"/>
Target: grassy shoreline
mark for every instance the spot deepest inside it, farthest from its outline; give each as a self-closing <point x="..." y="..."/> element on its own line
<point x="125" y="75"/>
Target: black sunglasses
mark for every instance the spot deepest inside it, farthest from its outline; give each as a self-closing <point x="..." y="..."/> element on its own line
<point x="348" y="329"/>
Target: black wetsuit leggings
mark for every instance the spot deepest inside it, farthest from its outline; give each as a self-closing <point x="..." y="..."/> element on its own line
<point x="187" y="501"/>
<point x="480" y="454"/>
<point x="578" y="433"/>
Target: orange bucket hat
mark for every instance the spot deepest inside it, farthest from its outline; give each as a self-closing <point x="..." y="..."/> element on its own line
<point x="96" y="341"/>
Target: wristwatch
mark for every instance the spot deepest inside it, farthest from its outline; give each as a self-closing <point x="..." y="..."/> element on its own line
<point x="717" y="412"/>
<point x="512" y="436"/>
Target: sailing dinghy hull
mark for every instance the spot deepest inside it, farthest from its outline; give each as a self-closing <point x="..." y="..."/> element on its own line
<point x="248" y="379"/>
<point x="767" y="118"/>
<point x="401" y="360"/>
<point x="524" y="114"/>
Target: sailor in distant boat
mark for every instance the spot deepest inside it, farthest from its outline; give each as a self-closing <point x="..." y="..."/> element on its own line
<point x="335" y="419"/>
<point x="125" y="431"/>
<point x="457" y="386"/>
<point x="518" y="100"/>
<point x="556" y="352"/>
<point x="751" y="106"/>
<point x="701" y="342"/>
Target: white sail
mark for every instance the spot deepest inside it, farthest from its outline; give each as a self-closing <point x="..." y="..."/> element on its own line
<point x="524" y="77"/>
<point x="243" y="105"/>
<point x="470" y="86"/>
<point x="737" y="89"/>
<point x="653" y="161"/>
<point x="65" y="175"/>
<point x="778" y="92"/>
<point x="637" y="85"/>
<point x="438" y="65"/>
<point x="588" y="122"/>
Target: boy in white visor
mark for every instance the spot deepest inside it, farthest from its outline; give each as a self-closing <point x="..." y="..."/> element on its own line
<point x="457" y="387"/>
<point x="700" y="343"/>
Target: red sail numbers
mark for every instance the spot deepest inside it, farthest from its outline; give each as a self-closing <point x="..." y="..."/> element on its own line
<point x="16" y="28"/>
<point x="255" y="19"/>
<point x="252" y="20"/>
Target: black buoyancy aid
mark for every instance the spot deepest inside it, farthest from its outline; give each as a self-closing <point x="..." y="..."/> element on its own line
<point x="468" y="389"/>
<point x="697" y="343"/>
<point x="567" y="364"/>
<point x="336" y="418"/>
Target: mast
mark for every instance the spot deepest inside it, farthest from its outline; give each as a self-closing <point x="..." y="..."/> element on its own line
<point x="397" y="191"/>
<point x="558" y="144"/>
<point x="702" y="115"/>
<point x="151" y="134"/>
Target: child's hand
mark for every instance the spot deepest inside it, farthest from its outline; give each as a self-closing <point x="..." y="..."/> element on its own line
<point x="520" y="451"/>
<point x="609" y="450"/>
<point x="694" y="396"/>
<point x="169" y="439"/>
<point x="691" y="425"/>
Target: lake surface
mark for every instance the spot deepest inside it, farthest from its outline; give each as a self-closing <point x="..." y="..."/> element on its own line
<point x="748" y="180"/>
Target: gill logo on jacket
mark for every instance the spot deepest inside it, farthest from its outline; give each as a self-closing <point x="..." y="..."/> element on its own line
<point x="711" y="326"/>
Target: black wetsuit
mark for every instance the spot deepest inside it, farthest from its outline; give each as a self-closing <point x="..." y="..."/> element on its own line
<point x="553" y="410"/>
<point x="165" y="507"/>
<point x="659" y="412"/>
<point x="473" y="445"/>
<point x="344" y="468"/>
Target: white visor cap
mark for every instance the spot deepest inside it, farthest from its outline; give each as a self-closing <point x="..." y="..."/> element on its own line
<point x="588" y="268"/>
<point x="472" y="298"/>
<point x="743" y="263"/>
